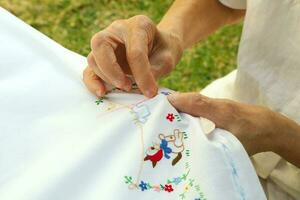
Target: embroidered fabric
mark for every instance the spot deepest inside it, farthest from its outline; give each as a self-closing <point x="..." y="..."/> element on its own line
<point x="59" y="142"/>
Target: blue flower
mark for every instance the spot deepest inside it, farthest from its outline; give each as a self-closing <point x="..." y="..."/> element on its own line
<point x="164" y="146"/>
<point x="143" y="186"/>
<point x="176" y="180"/>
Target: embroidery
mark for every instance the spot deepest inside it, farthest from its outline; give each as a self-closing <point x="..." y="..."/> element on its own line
<point x="166" y="93"/>
<point x="234" y="172"/>
<point x="171" y="117"/>
<point x="141" y="113"/>
<point x="100" y="100"/>
<point x="170" y="147"/>
<point x="170" y="144"/>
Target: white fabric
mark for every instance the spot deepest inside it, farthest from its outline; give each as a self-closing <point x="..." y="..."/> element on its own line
<point x="236" y="4"/>
<point x="57" y="143"/>
<point x="268" y="74"/>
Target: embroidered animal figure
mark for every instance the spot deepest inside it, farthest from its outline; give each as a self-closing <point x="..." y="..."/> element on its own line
<point x="169" y="144"/>
<point x="175" y="142"/>
<point x="154" y="154"/>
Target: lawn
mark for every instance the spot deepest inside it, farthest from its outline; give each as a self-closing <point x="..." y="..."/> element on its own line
<point x="73" y="22"/>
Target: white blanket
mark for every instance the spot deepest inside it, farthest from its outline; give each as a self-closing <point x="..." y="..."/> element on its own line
<point x="58" y="142"/>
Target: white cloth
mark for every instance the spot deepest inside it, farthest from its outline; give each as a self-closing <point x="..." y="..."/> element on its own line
<point x="268" y="74"/>
<point x="57" y="143"/>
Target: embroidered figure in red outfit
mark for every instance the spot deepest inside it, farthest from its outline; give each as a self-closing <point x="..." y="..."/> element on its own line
<point x="154" y="154"/>
<point x="170" y="144"/>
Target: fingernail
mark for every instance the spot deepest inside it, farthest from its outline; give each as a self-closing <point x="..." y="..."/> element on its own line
<point x="118" y="83"/>
<point x="128" y="84"/>
<point x="99" y="93"/>
<point x="127" y="87"/>
<point x="173" y="96"/>
<point x="149" y="93"/>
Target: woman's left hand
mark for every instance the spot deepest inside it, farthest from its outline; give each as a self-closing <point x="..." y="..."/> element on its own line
<point x="258" y="128"/>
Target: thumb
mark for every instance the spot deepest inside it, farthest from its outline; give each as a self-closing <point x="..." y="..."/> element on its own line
<point x="195" y="104"/>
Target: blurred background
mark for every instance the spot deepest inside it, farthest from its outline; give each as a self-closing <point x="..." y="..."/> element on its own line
<point x="73" y="22"/>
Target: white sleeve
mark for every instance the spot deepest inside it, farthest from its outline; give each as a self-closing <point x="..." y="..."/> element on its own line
<point x="235" y="4"/>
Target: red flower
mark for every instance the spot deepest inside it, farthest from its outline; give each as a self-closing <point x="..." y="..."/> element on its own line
<point x="168" y="188"/>
<point x="170" y="117"/>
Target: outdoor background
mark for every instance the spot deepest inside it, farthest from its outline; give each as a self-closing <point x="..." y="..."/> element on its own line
<point x="73" y="22"/>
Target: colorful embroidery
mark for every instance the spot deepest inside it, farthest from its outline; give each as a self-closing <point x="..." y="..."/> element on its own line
<point x="171" y="117"/>
<point x="170" y="144"/>
<point x="169" y="188"/>
<point x="100" y="100"/>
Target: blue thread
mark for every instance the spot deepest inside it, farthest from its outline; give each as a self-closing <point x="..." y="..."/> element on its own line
<point x="143" y="186"/>
<point x="234" y="172"/>
<point x="167" y="150"/>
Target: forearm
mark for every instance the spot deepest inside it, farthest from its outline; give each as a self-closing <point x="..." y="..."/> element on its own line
<point x="287" y="140"/>
<point x="193" y="20"/>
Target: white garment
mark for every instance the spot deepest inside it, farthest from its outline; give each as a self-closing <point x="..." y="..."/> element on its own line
<point x="268" y="74"/>
<point x="56" y="143"/>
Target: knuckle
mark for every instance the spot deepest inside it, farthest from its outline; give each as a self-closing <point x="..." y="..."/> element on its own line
<point x="135" y="54"/>
<point x="200" y="101"/>
<point x="99" y="38"/>
<point x="90" y="60"/>
<point x="117" y="24"/>
<point x="168" y="63"/>
<point x="86" y="73"/>
<point x="144" y="22"/>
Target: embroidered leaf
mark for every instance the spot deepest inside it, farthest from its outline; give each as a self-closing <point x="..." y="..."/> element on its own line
<point x="149" y="186"/>
<point x="182" y="196"/>
<point x="187" y="152"/>
<point x="185" y="135"/>
<point x="191" y="181"/>
<point x="128" y="179"/>
<point x="100" y="100"/>
<point x="162" y="187"/>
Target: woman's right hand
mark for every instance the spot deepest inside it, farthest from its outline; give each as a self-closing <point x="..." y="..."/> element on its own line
<point x="133" y="46"/>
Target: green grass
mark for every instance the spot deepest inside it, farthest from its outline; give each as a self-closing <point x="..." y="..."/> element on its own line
<point x="73" y="22"/>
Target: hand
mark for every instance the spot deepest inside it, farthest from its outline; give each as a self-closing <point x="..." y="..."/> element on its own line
<point x="254" y="126"/>
<point x="133" y="46"/>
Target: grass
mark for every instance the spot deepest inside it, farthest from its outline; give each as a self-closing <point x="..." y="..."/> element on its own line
<point x="73" y="22"/>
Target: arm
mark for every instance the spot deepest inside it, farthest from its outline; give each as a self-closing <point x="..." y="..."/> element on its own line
<point x="194" y="20"/>
<point x="287" y="139"/>
<point x="137" y="47"/>
<point x="258" y="128"/>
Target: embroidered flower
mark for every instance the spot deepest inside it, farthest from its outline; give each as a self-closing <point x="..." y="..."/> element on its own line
<point x="176" y="180"/>
<point x="168" y="188"/>
<point x="186" y="188"/>
<point x="156" y="188"/>
<point x="143" y="186"/>
<point x="170" y="117"/>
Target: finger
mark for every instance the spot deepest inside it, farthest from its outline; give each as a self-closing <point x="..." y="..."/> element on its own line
<point x="194" y="104"/>
<point x="92" y="63"/>
<point x="137" y="57"/>
<point x="103" y="48"/>
<point x="93" y="82"/>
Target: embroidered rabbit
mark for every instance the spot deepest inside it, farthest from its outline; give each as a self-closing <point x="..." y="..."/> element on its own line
<point x="175" y="142"/>
<point x="169" y="144"/>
